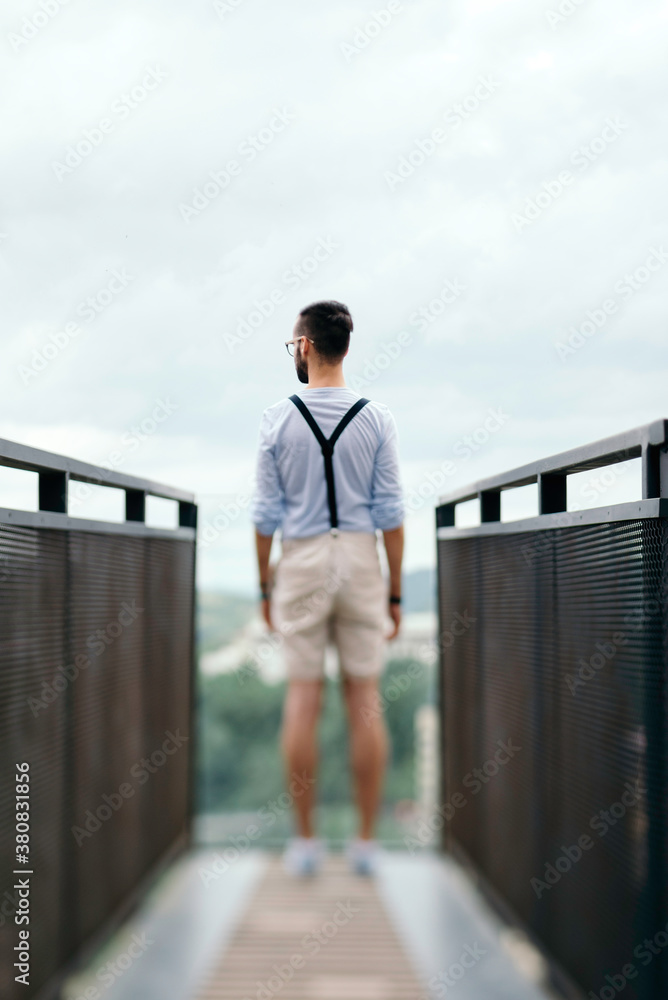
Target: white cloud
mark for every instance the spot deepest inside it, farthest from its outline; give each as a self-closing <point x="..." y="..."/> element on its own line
<point x="323" y="176"/>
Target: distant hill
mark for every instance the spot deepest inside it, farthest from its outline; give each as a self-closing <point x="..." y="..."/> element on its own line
<point x="221" y="615"/>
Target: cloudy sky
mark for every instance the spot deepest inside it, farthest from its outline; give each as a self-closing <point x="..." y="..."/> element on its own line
<point x="482" y="182"/>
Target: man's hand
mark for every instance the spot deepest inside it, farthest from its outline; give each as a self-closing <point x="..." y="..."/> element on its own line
<point x="394" y="547"/>
<point x="395" y="615"/>
<point x="266" y="573"/>
<point x="266" y="612"/>
<point x="265" y="602"/>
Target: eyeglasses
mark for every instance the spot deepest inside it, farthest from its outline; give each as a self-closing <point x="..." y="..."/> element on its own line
<point x="290" y="344"/>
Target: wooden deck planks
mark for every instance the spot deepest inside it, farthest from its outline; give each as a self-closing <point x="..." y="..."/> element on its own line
<point x="321" y="938"/>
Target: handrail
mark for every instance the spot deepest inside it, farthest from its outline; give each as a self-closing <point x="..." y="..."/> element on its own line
<point x="648" y="442"/>
<point x="55" y="471"/>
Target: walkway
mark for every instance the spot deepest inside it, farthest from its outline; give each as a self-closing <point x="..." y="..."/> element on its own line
<point x="314" y="939"/>
<point x="253" y="933"/>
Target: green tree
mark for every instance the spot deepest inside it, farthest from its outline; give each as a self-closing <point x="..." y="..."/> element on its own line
<point x="239" y="763"/>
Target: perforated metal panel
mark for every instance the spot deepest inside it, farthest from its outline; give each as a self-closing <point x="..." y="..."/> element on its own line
<point x="95" y="734"/>
<point x="565" y="655"/>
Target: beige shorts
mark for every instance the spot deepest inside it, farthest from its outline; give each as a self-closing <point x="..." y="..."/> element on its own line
<point x="329" y="588"/>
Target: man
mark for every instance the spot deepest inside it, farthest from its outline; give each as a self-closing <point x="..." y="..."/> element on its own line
<point x="328" y="476"/>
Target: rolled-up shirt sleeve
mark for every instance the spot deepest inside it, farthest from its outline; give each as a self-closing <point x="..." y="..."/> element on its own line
<point x="268" y="504"/>
<point x="387" y="502"/>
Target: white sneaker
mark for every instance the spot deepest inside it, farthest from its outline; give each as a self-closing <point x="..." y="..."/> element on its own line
<point x="363" y="856"/>
<point x="303" y="855"/>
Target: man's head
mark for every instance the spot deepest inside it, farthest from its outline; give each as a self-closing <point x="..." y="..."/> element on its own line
<point x="327" y="327"/>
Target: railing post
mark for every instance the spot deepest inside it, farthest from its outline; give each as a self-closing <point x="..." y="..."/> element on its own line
<point x="490" y="506"/>
<point x="654" y="472"/>
<point x="551" y="492"/>
<point x="187" y="514"/>
<point x="53" y="491"/>
<point x="135" y="505"/>
<point x="445" y="516"/>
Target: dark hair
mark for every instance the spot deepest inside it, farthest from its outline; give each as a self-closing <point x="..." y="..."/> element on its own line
<point x="328" y="324"/>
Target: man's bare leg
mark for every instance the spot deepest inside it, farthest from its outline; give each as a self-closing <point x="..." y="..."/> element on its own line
<point x="299" y="743"/>
<point x="368" y="748"/>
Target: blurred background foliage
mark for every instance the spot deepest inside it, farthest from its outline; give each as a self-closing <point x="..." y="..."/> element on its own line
<point x="239" y="764"/>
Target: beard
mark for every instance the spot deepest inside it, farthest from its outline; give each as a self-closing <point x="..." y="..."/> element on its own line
<point x="301" y="367"/>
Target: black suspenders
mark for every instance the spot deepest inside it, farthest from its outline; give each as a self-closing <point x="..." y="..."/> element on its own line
<point x="327" y="446"/>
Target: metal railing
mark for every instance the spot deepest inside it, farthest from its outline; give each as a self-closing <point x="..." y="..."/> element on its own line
<point x="554" y="650"/>
<point x="96" y="706"/>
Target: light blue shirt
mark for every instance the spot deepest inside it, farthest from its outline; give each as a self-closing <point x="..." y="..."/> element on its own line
<point x="291" y="490"/>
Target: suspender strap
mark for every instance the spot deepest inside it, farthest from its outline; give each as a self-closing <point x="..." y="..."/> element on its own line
<point x="327" y="446"/>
